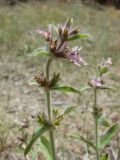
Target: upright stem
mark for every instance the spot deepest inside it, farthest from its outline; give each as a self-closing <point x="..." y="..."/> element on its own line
<point x="48" y="95"/>
<point x="95" y="112"/>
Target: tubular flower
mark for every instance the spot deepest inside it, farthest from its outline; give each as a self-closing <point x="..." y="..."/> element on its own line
<point x="46" y="35"/>
<point x="73" y="56"/>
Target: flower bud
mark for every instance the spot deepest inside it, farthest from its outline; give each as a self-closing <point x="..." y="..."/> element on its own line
<point x="46" y="35"/>
<point x="65" y="34"/>
<point x="53" y="45"/>
<point x="104" y="67"/>
<point x="74" y="31"/>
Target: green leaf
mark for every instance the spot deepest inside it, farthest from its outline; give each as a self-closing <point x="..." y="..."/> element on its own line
<point x="65" y="89"/>
<point x="40" y="52"/>
<point x="45" y="148"/>
<point x="103" y="122"/>
<point x="69" y="109"/>
<point x="35" y="136"/>
<point x="84" y="88"/>
<point x="108" y="87"/>
<point x="103" y="69"/>
<point x="75" y="135"/>
<point x="78" y="36"/>
<point x="104" y="157"/>
<point x="105" y="139"/>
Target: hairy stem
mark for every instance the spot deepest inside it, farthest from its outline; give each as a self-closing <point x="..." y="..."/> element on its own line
<point x="48" y="95"/>
<point x="95" y="112"/>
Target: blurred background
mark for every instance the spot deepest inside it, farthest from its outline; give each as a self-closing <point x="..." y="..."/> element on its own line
<point x="20" y="102"/>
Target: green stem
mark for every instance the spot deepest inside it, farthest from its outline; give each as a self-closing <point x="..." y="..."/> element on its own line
<point x="48" y="95"/>
<point x="95" y="111"/>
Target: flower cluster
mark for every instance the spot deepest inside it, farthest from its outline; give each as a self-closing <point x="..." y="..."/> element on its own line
<point x="55" y="121"/>
<point x="66" y="31"/>
<point x="97" y="82"/>
<point x="42" y="81"/>
<point x="59" y="47"/>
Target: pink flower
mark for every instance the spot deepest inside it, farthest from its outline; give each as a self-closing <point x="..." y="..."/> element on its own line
<point x="108" y="61"/>
<point x="74" y="56"/>
<point x="46" y="35"/>
<point x="95" y="82"/>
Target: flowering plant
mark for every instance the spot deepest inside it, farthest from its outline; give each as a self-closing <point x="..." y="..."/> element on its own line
<point x="97" y="83"/>
<point x="56" y="48"/>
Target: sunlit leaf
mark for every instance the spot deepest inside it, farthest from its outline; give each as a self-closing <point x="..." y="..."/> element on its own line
<point x="45" y="148"/>
<point x="104" y="157"/>
<point x="40" y="52"/>
<point x="108" y="87"/>
<point x="78" y="36"/>
<point x="89" y="143"/>
<point x="105" y="139"/>
<point x="69" y="109"/>
<point x="84" y="88"/>
<point x="66" y="89"/>
<point x="35" y="136"/>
